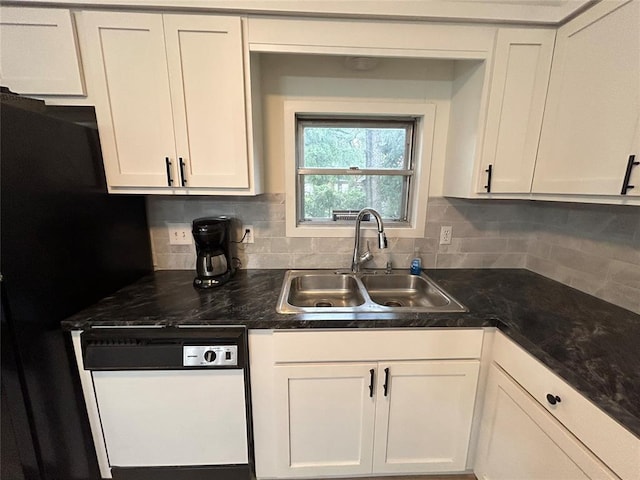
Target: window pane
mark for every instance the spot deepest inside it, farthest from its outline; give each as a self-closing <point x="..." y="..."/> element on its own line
<point x="325" y="193"/>
<point x="362" y="147"/>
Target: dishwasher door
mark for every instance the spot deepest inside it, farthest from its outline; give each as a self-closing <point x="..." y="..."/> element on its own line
<point x="153" y="418"/>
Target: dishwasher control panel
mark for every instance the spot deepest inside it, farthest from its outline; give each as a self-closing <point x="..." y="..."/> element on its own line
<point x="210" y="355"/>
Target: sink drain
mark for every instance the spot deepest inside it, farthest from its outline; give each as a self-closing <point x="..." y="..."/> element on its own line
<point x="392" y="303"/>
<point x="323" y="303"/>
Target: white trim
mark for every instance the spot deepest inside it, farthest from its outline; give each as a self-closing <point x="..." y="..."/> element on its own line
<point x="86" y="380"/>
<point x="368" y="51"/>
<point x="423" y="154"/>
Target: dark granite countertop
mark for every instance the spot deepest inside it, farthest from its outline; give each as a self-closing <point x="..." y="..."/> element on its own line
<point x="592" y="344"/>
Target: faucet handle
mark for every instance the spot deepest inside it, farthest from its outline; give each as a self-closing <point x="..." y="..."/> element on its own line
<point x="366" y="255"/>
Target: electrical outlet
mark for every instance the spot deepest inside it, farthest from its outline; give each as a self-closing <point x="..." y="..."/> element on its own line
<point x="445" y="235"/>
<point x="247" y="232"/>
<point x="179" y="233"/>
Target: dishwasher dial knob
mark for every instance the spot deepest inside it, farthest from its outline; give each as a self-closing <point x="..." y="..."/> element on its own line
<point x="209" y="356"/>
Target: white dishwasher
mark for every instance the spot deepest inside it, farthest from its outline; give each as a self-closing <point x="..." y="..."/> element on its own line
<point x="172" y="402"/>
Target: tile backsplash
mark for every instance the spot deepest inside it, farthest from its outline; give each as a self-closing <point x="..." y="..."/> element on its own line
<point x="593" y="248"/>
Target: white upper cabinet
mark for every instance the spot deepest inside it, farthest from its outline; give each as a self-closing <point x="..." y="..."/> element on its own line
<point x="206" y="75"/>
<point x="522" y="62"/>
<point x="169" y="92"/>
<point x="39" y="52"/>
<point x="496" y="115"/>
<point x="534" y="112"/>
<point x="593" y="103"/>
<point x="127" y="74"/>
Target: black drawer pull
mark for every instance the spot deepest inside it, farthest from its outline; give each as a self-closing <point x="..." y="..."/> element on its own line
<point x="386" y="381"/>
<point x="168" y="163"/>
<point x="371" y="372"/>
<point x="627" y="175"/>
<point x="183" y="180"/>
<point x="553" y="399"/>
<point x="489" y="171"/>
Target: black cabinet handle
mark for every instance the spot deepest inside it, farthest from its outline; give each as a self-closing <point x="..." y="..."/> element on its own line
<point x="627" y="176"/>
<point x="371" y="372"/>
<point x="183" y="180"/>
<point x="168" y="163"/>
<point x="553" y="399"/>
<point x="489" y="171"/>
<point x="386" y="381"/>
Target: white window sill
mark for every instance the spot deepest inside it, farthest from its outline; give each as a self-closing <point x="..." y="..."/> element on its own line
<point x="368" y="230"/>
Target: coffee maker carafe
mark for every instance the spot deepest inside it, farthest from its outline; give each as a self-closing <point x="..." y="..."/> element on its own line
<point x="213" y="263"/>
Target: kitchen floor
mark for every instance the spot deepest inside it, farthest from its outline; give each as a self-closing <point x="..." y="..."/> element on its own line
<point x="466" y="476"/>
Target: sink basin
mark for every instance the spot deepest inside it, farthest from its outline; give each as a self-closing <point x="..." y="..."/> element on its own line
<point x="328" y="291"/>
<point x="324" y="291"/>
<point x="403" y="290"/>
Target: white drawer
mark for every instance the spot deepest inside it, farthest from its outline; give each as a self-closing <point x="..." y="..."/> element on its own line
<point x="378" y="345"/>
<point x="612" y="443"/>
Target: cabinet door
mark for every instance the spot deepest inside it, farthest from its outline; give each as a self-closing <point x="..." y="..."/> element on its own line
<point x="521" y="440"/>
<point x="423" y="416"/>
<point x="39" y="52"/>
<point x="206" y="70"/>
<point x="593" y="102"/>
<point x="127" y="75"/>
<point x="325" y="418"/>
<point x="516" y="105"/>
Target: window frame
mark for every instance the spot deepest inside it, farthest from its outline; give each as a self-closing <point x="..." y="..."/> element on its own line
<point x="409" y="124"/>
<point x="422" y="145"/>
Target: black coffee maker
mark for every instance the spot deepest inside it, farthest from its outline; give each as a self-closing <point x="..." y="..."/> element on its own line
<point x="213" y="263"/>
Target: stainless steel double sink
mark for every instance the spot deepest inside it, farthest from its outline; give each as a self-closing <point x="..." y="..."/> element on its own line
<point x="329" y="291"/>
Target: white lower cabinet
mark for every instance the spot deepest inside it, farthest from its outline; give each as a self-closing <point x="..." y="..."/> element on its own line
<point x="423" y="415"/>
<point x="391" y="417"/>
<point x="521" y="440"/>
<point x="325" y="415"/>
<point x="535" y="426"/>
<point x="348" y="402"/>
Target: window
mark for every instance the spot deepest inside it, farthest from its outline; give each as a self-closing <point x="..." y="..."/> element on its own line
<point x="344" y="164"/>
<point x="341" y="157"/>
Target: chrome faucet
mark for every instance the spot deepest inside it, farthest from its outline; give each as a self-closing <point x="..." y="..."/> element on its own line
<point x="360" y="258"/>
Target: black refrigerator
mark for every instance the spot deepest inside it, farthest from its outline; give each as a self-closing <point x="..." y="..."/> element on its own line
<point x="64" y="244"/>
